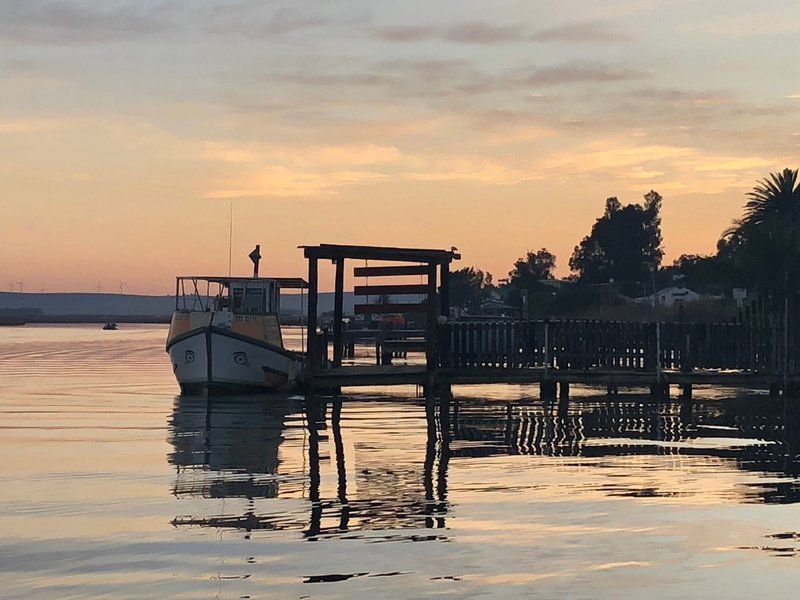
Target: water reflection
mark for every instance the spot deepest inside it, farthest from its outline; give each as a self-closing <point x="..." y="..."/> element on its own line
<point x="246" y="449"/>
<point x="379" y="468"/>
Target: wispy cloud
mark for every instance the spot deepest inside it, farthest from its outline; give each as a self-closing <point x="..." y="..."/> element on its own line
<point x="587" y="31"/>
<point x="479" y="32"/>
<point x="584" y="72"/>
<point x="473" y="32"/>
<point x="271" y="170"/>
<point x="252" y="20"/>
<point x="47" y="21"/>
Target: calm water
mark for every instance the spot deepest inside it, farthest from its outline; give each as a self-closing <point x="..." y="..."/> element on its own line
<point x="112" y="485"/>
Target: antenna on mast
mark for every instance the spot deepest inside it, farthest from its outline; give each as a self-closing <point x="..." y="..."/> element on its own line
<point x="230" y="240"/>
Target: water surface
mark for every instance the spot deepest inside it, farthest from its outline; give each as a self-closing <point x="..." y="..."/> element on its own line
<point x="113" y="485"/>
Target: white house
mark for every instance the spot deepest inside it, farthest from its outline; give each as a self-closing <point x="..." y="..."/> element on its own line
<point x="669" y="296"/>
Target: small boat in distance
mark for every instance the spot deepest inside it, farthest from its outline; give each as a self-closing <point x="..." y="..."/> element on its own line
<point x="110" y="326"/>
<point x="225" y="335"/>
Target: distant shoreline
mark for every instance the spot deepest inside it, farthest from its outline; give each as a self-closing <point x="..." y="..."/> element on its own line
<point x="73" y="319"/>
<point x="19" y="321"/>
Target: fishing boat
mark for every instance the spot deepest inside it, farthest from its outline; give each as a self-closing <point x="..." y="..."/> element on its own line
<point x="225" y="335"/>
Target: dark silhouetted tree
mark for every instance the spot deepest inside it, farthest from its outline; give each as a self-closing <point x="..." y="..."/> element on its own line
<point x="528" y="273"/>
<point x="624" y="245"/>
<point x="469" y="287"/>
<point x="765" y="244"/>
<point x="714" y="274"/>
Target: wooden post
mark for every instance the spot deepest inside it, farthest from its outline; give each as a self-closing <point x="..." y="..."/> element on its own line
<point x="547" y="390"/>
<point x="546" y="347"/>
<point x="444" y="289"/>
<point x="338" y="301"/>
<point x="432" y="318"/>
<point x="658" y="349"/>
<point x="312" y="364"/>
<point x="444" y="310"/>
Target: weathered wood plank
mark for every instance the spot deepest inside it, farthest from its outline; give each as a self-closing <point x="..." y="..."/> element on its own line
<point x="389" y="271"/>
<point x="389" y="289"/>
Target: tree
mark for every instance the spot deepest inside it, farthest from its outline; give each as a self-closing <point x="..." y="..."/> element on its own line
<point x="765" y="244"/>
<point x="532" y="268"/>
<point x="713" y="274"/>
<point x="624" y="245"/>
<point x="469" y="287"/>
<point x="528" y="273"/>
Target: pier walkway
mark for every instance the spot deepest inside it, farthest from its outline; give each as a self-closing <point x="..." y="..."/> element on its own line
<point x="552" y="353"/>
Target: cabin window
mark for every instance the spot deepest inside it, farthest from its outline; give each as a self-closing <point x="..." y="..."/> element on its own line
<point x="254" y="300"/>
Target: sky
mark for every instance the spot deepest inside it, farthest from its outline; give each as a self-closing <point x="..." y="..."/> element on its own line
<point x="129" y="128"/>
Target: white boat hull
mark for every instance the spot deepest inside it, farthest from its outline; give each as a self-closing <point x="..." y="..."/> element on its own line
<point x="210" y="359"/>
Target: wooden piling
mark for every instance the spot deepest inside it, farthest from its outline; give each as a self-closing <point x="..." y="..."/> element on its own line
<point x="311" y="323"/>
<point x="547" y="390"/>
<point x="338" y="301"/>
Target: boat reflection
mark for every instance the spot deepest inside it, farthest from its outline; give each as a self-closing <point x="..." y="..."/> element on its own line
<point x="291" y="464"/>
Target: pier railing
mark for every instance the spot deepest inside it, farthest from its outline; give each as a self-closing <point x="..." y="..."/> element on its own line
<point x="612" y="345"/>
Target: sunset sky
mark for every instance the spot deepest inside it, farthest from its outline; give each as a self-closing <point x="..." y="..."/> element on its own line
<point x="128" y="127"/>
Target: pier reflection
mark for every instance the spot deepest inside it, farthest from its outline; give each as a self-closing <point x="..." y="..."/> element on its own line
<point x="241" y="450"/>
<point x="379" y="468"/>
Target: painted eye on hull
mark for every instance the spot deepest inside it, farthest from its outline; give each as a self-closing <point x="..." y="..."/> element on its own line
<point x="189" y="357"/>
<point x="240" y="358"/>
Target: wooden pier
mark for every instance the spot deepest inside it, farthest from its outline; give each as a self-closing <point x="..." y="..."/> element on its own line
<point x="552" y="353"/>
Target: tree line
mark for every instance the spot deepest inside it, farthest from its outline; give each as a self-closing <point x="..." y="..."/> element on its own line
<point x="622" y="255"/>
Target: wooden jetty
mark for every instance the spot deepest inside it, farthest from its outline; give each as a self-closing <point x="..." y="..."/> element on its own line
<point x="552" y="353"/>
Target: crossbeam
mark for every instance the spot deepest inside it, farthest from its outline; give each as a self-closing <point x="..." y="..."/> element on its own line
<point x="427" y="255"/>
<point x="390" y="271"/>
<point x="387" y="309"/>
<point x="379" y="290"/>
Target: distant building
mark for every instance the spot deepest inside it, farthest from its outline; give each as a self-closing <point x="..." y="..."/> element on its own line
<point x="497" y="308"/>
<point x="669" y="297"/>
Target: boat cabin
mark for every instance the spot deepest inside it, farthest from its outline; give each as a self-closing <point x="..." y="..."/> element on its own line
<point x="238" y="295"/>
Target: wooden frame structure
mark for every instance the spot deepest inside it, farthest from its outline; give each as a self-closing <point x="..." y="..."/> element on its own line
<point x="432" y="264"/>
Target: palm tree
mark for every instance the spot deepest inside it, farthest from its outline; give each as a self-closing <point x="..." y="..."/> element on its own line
<point x="774" y="201"/>
<point x="766" y="241"/>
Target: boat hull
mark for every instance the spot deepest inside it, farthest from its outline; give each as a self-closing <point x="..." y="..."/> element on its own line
<point x="220" y="361"/>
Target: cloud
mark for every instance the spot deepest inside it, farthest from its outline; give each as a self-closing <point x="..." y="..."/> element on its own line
<point x="482" y="33"/>
<point x="471" y="32"/>
<point x="23" y="126"/>
<point x="584" y="72"/>
<point x="587" y="31"/>
<point x="47" y="21"/>
<point x="264" y="170"/>
<point x="478" y="32"/>
<point x="411" y="33"/>
<point x="251" y="22"/>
